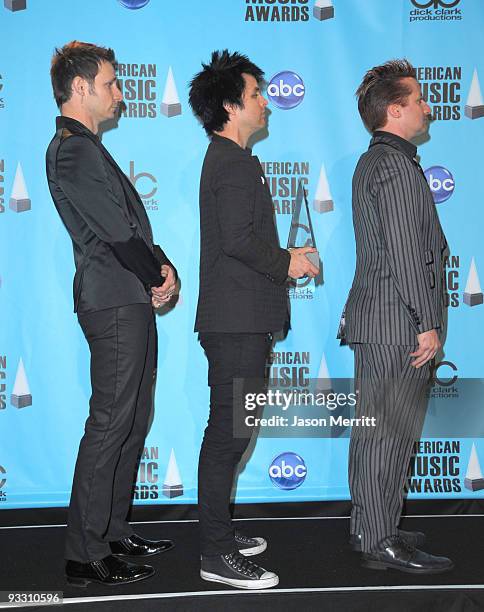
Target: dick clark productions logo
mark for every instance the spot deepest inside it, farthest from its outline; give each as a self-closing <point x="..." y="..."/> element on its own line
<point x="441" y="183"/>
<point x="288" y="471"/>
<point x="286" y="90"/>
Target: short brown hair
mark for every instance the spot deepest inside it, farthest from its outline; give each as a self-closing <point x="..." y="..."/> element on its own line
<point x="76" y="59"/>
<point x="382" y="86"/>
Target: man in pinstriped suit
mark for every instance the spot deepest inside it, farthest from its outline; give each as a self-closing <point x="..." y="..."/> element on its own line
<point x="393" y="316"/>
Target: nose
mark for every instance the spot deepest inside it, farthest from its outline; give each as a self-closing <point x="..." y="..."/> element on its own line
<point x="264" y="102"/>
<point x="118" y="96"/>
<point x="427" y="109"/>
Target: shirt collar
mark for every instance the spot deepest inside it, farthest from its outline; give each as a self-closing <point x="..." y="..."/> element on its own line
<point x="380" y="136"/>
<point x="74" y="126"/>
<point x="228" y="142"/>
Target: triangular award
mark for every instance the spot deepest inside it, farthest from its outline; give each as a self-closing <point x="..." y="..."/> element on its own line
<point x="323" y="201"/>
<point x="21" y="396"/>
<point x="19" y="199"/>
<point x="473" y="292"/>
<point x="474" y="480"/>
<point x="324" y="384"/>
<point x="170" y="103"/>
<point x="172" y="486"/>
<point x="474" y="108"/>
<point x="301" y="232"/>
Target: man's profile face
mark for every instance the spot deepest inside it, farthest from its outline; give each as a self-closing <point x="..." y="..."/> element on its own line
<point x="415" y="114"/>
<point x="104" y="96"/>
<point x="252" y="117"/>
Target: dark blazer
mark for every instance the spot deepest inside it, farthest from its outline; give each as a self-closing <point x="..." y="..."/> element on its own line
<point x="243" y="270"/>
<point x="116" y="261"/>
<point x="398" y="288"/>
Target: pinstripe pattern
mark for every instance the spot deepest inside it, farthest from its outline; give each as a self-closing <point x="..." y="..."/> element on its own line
<point x="397" y="293"/>
<point x="393" y="392"/>
<point x="398" y="289"/>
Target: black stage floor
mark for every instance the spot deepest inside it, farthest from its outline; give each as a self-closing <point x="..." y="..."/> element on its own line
<point x="316" y="569"/>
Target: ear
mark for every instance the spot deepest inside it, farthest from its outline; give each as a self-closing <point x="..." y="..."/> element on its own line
<point x="394" y="111"/>
<point x="79" y="86"/>
<point x="230" y="108"/>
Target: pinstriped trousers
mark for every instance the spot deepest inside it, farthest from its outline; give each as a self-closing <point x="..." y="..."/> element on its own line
<point x="395" y="394"/>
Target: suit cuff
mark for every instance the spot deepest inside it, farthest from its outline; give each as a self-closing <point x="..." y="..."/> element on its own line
<point x="280" y="272"/>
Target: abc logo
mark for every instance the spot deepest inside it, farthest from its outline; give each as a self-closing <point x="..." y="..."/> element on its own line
<point x="441" y="183"/>
<point x="286" y="90"/>
<point x="133" y="4"/>
<point x="288" y="471"/>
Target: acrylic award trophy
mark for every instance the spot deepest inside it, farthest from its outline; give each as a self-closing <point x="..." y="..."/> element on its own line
<point x="301" y="233"/>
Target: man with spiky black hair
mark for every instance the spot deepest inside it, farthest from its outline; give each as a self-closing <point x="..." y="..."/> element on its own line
<point x="242" y="299"/>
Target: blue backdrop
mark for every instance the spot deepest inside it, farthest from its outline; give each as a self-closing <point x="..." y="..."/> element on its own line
<point x="322" y="50"/>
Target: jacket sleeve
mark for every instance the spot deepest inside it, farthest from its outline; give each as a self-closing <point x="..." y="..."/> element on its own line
<point x="82" y="177"/>
<point x="397" y="205"/>
<point x="162" y="259"/>
<point x="235" y="196"/>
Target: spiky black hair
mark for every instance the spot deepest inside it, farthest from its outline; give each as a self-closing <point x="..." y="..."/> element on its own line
<point x="220" y="82"/>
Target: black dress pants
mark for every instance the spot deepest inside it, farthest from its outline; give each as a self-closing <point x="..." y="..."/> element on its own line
<point x="122" y="342"/>
<point x="229" y="356"/>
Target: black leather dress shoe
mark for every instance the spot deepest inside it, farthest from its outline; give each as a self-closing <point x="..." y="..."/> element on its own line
<point x="400" y="556"/>
<point x="413" y="538"/>
<point x="110" y="570"/>
<point x="135" y="546"/>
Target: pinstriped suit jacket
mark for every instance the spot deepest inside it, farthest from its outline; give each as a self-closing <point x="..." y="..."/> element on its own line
<point x="398" y="288"/>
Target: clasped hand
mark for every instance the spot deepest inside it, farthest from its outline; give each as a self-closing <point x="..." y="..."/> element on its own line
<point x="162" y="295"/>
<point x="300" y="265"/>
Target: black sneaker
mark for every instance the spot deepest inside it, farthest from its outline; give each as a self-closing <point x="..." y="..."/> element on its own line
<point x="249" y="546"/>
<point x="237" y="571"/>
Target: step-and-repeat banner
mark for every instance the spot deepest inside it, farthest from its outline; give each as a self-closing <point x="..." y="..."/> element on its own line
<point x="314" y="54"/>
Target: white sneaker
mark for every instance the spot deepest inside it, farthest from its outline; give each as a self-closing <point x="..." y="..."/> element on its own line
<point x="249" y="546"/>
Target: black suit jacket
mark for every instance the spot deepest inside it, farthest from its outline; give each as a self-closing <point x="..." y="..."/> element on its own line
<point x="243" y="270"/>
<point x="116" y="261"/>
<point x="398" y="288"/>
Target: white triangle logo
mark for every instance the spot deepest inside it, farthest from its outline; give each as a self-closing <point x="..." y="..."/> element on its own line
<point x="473" y="285"/>
<point x="19" y="189"/>
<point x="21" y="385"/>
<point x="473" y="469"/>
<point x="475" y="96"/>
<point x="324" y="379"/>
<point x="323" y="201"/>
<point x="170" y="95"/>
<point x="172" y="478"/>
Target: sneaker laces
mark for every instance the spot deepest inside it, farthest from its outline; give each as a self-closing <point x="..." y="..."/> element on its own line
<point x="242" y="564"/>
<point x="242" y="538"/>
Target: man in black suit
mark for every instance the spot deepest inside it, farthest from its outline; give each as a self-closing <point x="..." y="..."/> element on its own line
<point x="120" y="276"/>
<point x="242" y="299"/>
<point x="393" y="316"/>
